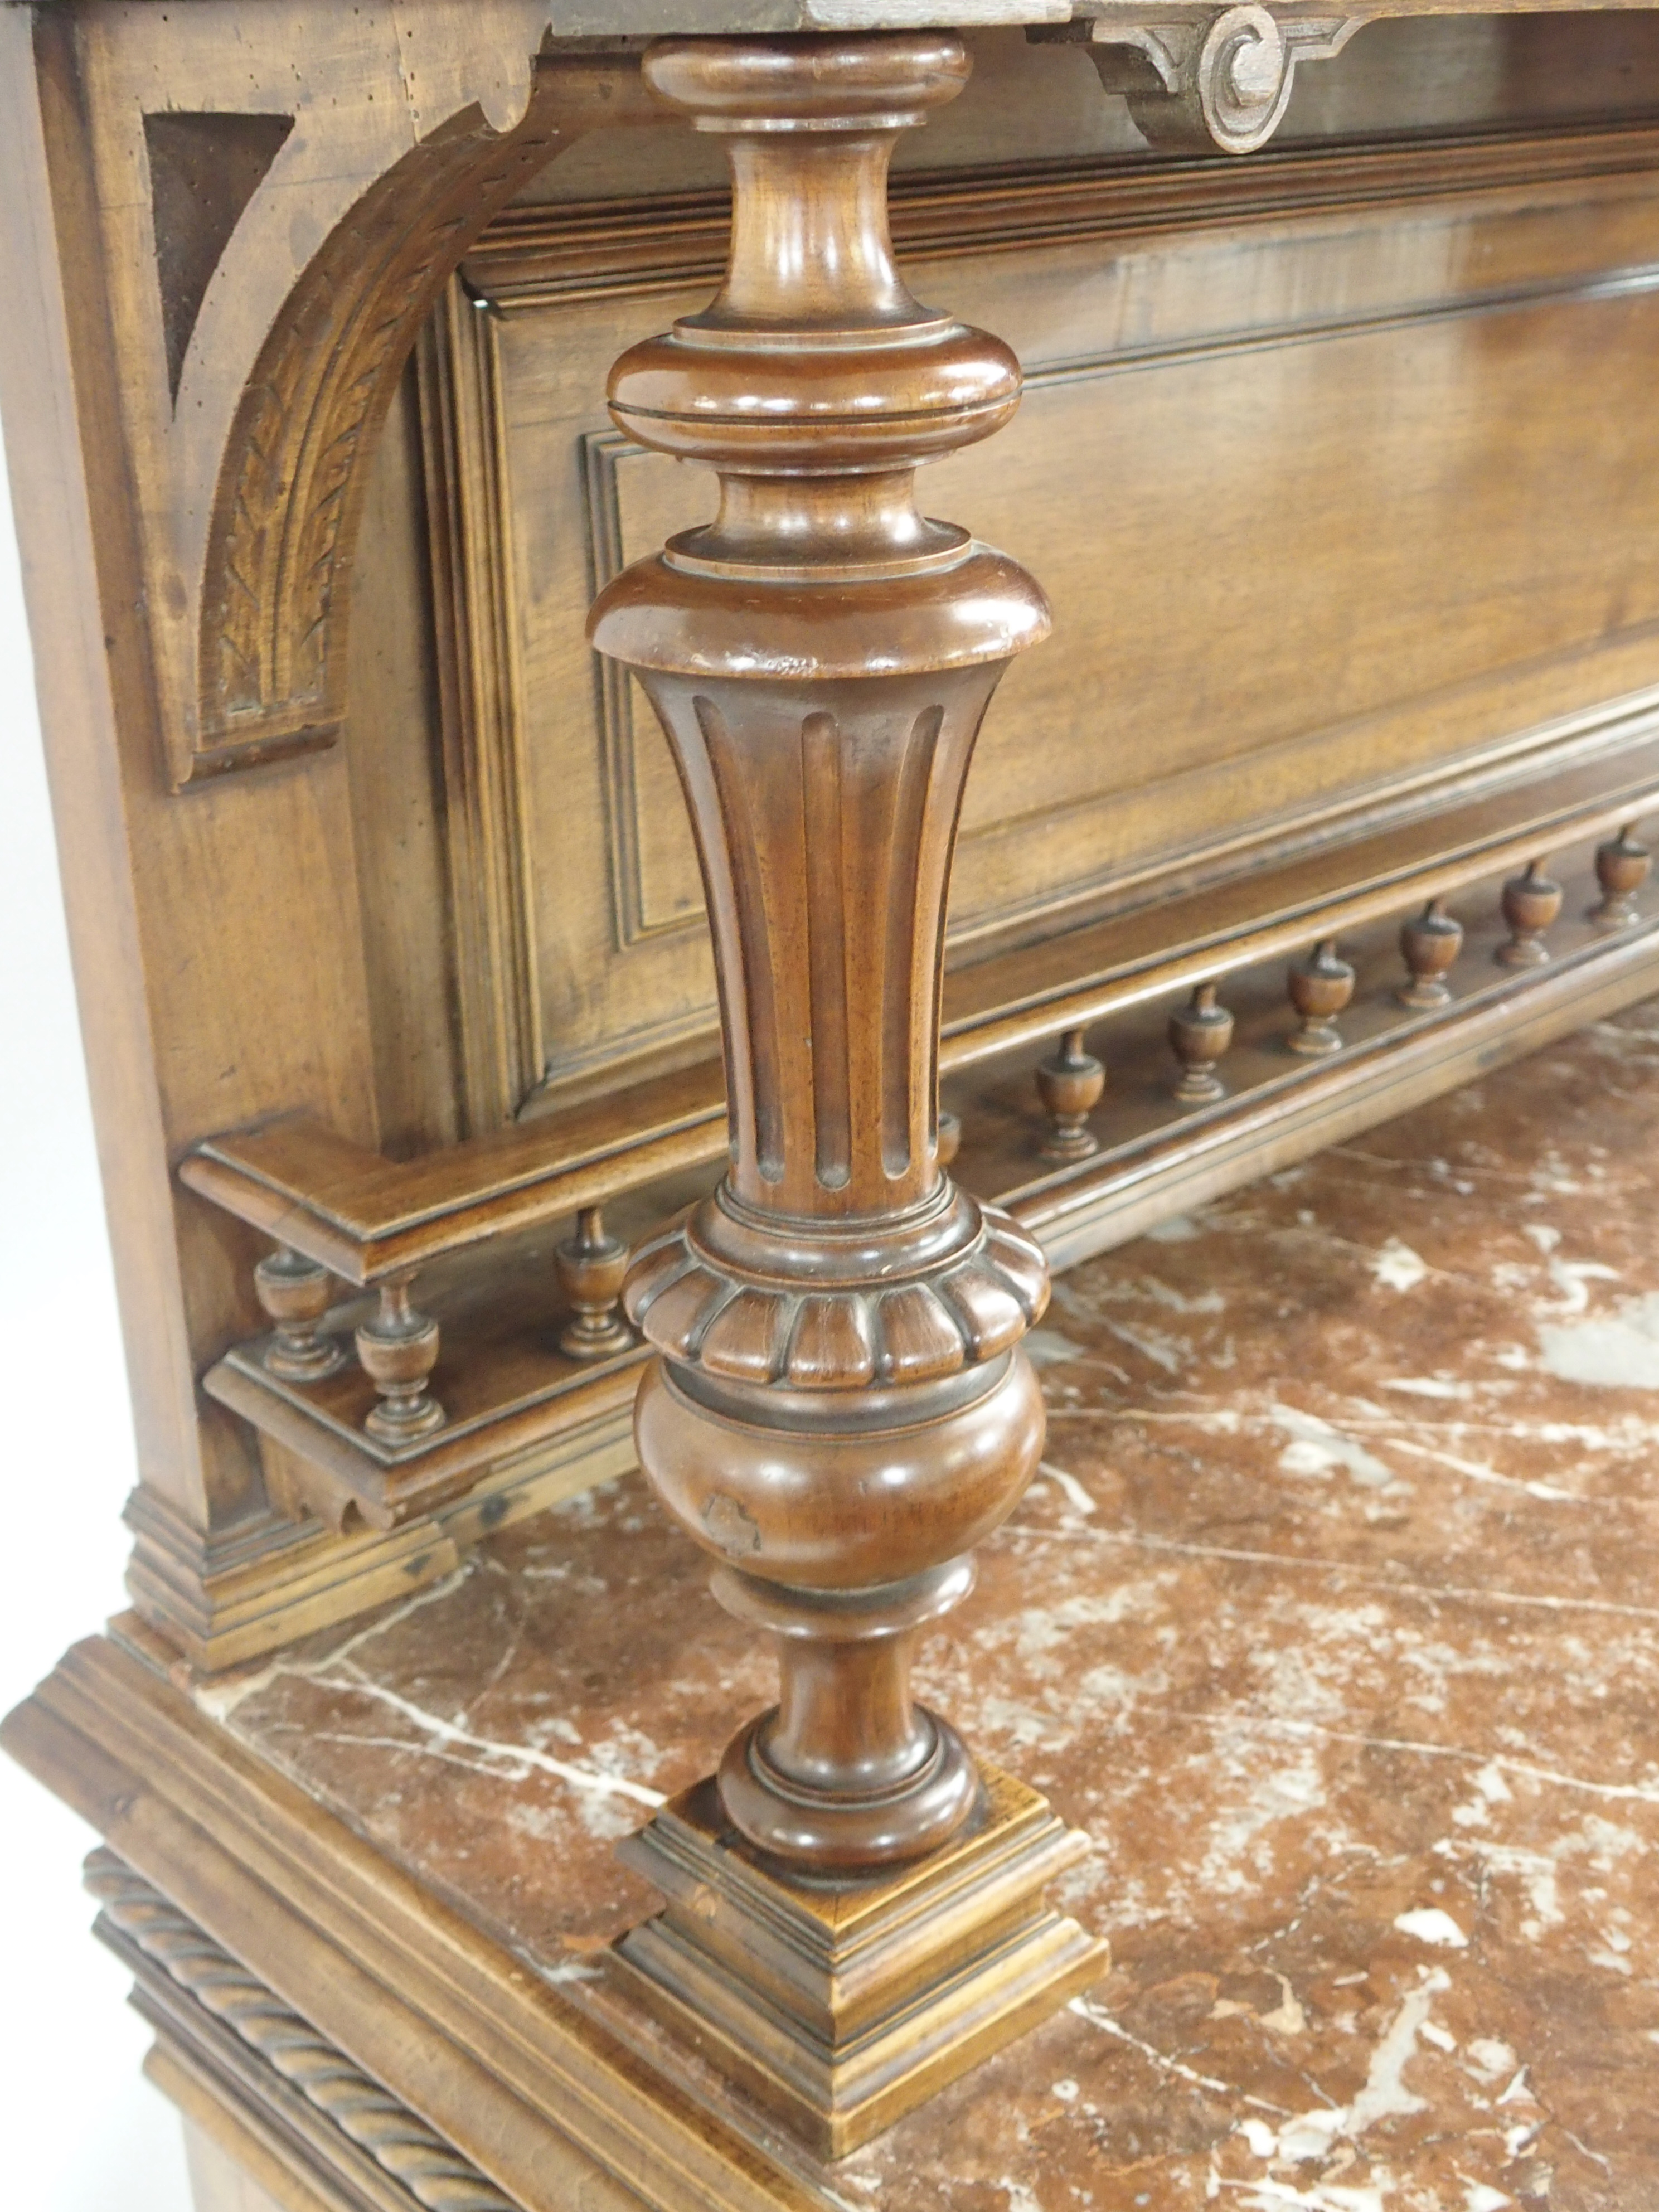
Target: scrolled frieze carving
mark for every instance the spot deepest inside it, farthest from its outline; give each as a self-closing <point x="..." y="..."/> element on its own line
<point x="1199" y="83"/>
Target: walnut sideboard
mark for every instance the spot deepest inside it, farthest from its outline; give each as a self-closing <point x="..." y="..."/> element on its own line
<point x="557" y="995"/>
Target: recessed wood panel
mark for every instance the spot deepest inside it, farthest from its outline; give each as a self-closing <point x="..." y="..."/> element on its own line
<point x="1336" y="502"/>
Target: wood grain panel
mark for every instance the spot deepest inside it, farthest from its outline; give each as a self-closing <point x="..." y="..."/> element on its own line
<point x="1340" y="489"/>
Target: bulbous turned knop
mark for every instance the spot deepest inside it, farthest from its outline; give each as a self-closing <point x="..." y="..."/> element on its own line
<point x="917" y="1481"/>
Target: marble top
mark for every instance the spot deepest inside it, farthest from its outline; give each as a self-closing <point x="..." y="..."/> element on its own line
<point x="1332" y="1618"/>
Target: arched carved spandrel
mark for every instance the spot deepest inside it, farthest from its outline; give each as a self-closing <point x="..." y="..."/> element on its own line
<point x="1201" y="82"/>
<point x="274" y="607"/>
<point x="271" y="244"/>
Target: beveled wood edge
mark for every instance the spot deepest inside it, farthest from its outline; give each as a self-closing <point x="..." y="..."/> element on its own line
<point x="222" y="1620"/>
<point x="532" y="255"/>
<point x="364" y="1217"/>
<point x="419" y="1478"/>
<point x="481" y="2046"/>
<point x="444" y="1202"/>
<point x="1498" y="779"/>
<point x="483" y="770"/>
<point x="303" y="1578"/>
<point x="614" y="23"/>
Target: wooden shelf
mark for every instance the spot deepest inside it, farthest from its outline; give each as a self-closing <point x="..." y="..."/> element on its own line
<point x="509" y="1393"/>
<point x="366" y="1218"/>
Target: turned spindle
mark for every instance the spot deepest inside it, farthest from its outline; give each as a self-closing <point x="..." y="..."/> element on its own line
<point x="295" y="1293"/>
<point x="1429" y="945"/>
<point x="1200" y="1033"/>
<point x="1320" y="987"/>
<point x="1531" y="902"/>
<point x="1621" y="869"/>
<point x="839" y="1408"/>
<point x="399" y="1349"/>
<point x="592" y="1269"/>
<point x="1070" y="1086"/>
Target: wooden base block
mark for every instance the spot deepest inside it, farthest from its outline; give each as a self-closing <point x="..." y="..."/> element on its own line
<point x="841" y="2006"/>
<point x="223" y="1606"/>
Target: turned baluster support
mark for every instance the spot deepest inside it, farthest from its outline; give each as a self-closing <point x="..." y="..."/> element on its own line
<point x="1621" y="869"/>
<point x="397" y="1347"/>
<point x="1070" y="1085"/>
<point x="1319" y="988"/>
<point x="836" y="1285"/>
<point x="1430" y="944"/>
<point x="1532" y="902"/>
<point x="1200" y="1034"/>
<point x="592" y="1267"/>
<point x="839" y="1408"/>
<point x="295" y="1293"/>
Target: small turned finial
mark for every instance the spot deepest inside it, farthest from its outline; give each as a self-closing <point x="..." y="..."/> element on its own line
<point x="950" y="1138"/>
<point x="1320" y="987"/>
<point x="1430" y="944"/>
<point x="1070" y="1086"/>
<point x="295" y="1292"/>
<point x="591" y="1267"/>
<point x="1199" y="1034"/>
<point x="1531" y="903"/>
<point x="1621" y="869"/>
<point x="399" y="1349"/>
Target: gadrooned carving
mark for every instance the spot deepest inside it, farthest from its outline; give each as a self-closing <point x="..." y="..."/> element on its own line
<point x="912" y="1327"/>
<point x="821" y="656"/>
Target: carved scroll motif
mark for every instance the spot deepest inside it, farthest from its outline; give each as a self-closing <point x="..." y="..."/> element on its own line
<point x="1198" y="82"/>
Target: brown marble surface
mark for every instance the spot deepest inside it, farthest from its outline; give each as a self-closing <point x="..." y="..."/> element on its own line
<point x="1332" y="1620"/>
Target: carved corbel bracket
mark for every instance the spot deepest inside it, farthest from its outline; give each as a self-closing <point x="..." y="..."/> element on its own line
<point x="1205" y="81"/>
<point x="271" y="240"/>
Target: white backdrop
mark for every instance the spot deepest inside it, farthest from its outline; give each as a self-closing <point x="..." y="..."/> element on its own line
<point x="84" y="2131"/>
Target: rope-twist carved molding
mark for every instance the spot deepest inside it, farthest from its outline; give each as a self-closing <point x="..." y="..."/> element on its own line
<point x="435" y="2176"/>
